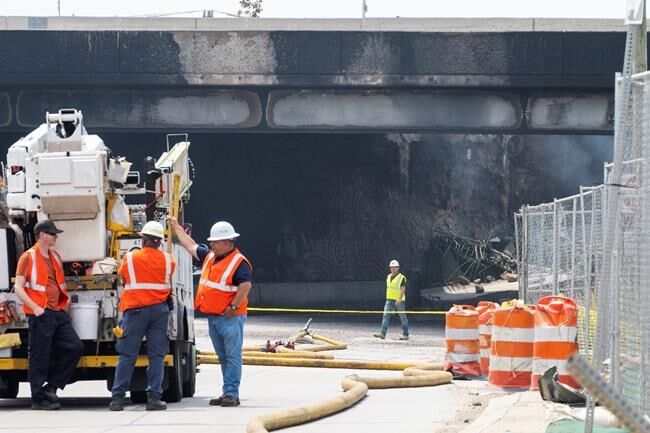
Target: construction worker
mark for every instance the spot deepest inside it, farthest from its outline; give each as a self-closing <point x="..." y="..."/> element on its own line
<point x="40" y="285"/>
<point x="395" y="301"/>
<point x="145" y="310"/>
<point x="222" y="295"/>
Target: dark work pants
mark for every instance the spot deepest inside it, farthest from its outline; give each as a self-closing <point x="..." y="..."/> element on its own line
<point x="54" y="351"/>
<point x="151" y="322"/>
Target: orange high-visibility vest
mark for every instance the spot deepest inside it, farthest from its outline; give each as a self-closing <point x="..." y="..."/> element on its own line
<point x="216" y="290"/>
<point x="147" y="278"/>
<point x="36" y="278"/>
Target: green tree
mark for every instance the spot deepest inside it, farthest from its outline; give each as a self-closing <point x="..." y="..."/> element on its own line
<point x="250" y="8"/>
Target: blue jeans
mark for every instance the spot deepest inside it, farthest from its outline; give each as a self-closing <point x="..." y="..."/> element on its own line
<point x="390" y="308"/>
<point x="151" y="321"/>
<point x="227" y="337"/>
<point x="52" y="338"/>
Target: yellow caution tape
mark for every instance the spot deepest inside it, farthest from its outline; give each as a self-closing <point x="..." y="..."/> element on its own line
<point x="314" y="310"/>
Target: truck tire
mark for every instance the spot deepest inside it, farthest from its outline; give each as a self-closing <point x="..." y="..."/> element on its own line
<point x="189" y="384"/>
<point x="9" y="388"/>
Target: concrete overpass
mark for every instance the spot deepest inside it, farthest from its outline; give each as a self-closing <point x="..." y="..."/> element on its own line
<point x="335" y="145"/>
<point x="269" y="75"/>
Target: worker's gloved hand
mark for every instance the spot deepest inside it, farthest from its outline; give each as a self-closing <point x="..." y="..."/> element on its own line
<point x="170" y="302"/>
<point x="118" y="331"/>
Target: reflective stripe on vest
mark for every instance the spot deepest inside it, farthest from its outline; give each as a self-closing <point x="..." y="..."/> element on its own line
<point x="218" y="286"/>
<point x="37" y="278"/>
<point x="32" y="283"/>
<point x="217" y="290"/>
<point x="393" y="291"/>
<point x="133" y="282"/>
<point x="34" y="275"/>
<point x="221" y="285"/>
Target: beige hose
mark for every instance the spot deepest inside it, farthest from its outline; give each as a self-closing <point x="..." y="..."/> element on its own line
<point x="354" y="387"/>
<point x="424" y="369"/>
<point x="318" y="363"/>
<point x="300" y="415"/>
<point x="329" y="341"/>
<point x="322" y="347"/>
<point x="251" y="349"/>
<point x="286" y="353"/>
<point x="297" y="354"/>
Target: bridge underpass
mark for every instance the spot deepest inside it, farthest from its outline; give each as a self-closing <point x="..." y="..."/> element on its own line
<point x="330" y="160"/>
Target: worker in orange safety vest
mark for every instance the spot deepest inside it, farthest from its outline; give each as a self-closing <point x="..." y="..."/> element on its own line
<point x="145" y="310"/>
<point x="222" y="295"/>
<point x="40" y="286"/>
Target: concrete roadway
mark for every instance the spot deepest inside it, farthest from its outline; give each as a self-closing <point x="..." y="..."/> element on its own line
<point x="268" y="389"/>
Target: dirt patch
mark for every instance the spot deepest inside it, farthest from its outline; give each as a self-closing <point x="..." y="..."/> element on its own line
<point x="471" y="402"/>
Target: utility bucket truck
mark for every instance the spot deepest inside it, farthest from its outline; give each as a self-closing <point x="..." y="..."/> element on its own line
<point x="62" y="173"/>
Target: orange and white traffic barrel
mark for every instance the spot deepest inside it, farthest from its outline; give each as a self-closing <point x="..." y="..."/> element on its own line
<point x="556" y="334"/>
<point x="461" y="335"/>
<point x="485" y="311"/>
<point x="511" y="353"/>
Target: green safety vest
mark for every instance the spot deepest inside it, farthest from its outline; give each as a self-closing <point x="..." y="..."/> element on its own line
<point x="393" y="287"/>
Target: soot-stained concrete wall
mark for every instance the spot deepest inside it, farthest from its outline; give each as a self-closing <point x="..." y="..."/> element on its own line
<point x="328" y="208"/>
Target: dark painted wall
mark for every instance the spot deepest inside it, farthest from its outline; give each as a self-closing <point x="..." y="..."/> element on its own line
<point x="338" y="207"/>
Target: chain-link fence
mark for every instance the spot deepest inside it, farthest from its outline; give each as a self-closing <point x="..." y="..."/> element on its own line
<point x="556" y="248"/>
<point x="594" y="247"/>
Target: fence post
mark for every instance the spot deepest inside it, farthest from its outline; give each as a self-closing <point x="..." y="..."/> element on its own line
<point x="554" y="270"/>
<point x="573" y="249"/>
<point x="586" y="269"/>
<point x="524" y="251"/>
<point x="517" y="252"/>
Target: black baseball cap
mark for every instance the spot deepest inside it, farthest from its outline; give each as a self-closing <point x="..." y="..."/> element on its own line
<point x="46" y="226"/>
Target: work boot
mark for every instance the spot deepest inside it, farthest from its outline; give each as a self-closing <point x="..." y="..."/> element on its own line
<point x="229" y="401"/>
<point x="49" y="392"/>
<point x="154" y="403"/>
<point x="45" y="405"/>
<point x="216" y="401"/>
<point x="117" y="404"/>
<point x="379" y="335"/>
<point x="404" y="337"/>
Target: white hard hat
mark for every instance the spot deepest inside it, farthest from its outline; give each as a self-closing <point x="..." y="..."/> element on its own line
<point x="222" y="230"/>
<point x="153" y="228"/>
<point x="393" y="263"/>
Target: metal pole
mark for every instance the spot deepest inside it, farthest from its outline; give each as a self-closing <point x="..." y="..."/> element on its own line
<point x="573" y="249"/>
<point x="640" y="63"/>
<point x="524" y="252"/>
<point x="586" y="271"/>
<point x="364" y="8"/>
<point x="608" y="395"/>
<point x="59" y="6"/>
<point x="554" y="269"/>
<point x="519" y="261"/>
<point x="615" y="305"/>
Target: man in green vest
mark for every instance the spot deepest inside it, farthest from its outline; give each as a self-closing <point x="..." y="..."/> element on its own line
<point x="395" y="301"/>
